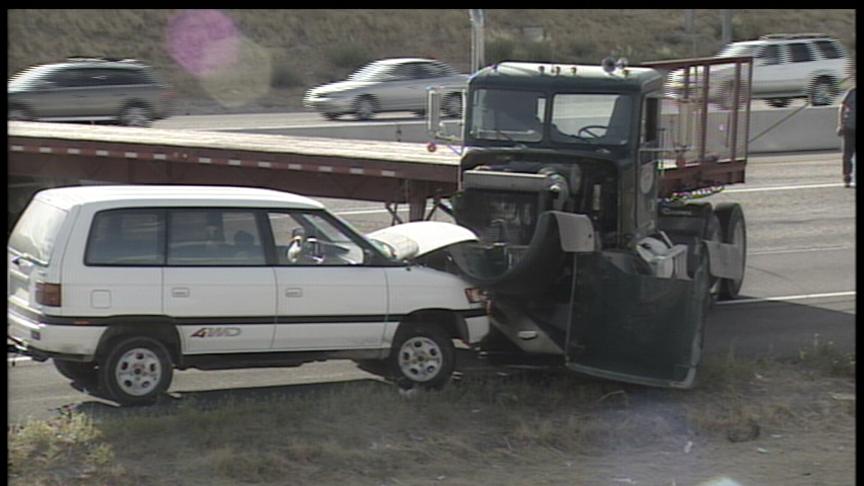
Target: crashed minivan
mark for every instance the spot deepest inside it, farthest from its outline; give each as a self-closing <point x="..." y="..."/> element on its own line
<point x="121" y="285"/>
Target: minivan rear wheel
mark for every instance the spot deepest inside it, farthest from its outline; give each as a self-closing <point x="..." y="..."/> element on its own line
<point x="822" y="92"/>
<point x="136" y="116"/>
<point x="135" y="371"/>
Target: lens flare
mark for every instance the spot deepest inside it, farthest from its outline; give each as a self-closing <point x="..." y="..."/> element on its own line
<point x="231" y="68"/>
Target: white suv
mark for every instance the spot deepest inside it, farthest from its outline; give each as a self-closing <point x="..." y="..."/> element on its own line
<point x="120" y="285"/>
<point x="787" y="66"/>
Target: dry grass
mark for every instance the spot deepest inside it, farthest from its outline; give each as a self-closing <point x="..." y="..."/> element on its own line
<point x="307" y="47"/>
<point x="365" y="433"/>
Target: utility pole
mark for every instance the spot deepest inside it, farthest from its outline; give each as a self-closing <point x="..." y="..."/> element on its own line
<point x="689" y="28"/>
<point x="727" y="26"/>
<point x="477" y="46"/>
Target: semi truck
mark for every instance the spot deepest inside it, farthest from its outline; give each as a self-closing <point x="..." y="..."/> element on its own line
<point x="586" y="187"/>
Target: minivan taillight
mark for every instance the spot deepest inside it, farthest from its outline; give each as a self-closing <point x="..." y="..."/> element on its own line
<point x="48" y="294"/>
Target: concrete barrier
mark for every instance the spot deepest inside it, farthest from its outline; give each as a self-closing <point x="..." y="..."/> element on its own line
<point x="771" y="130"/>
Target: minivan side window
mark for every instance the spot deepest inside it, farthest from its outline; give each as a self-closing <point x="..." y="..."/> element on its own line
<point x="214" y="237"/>
<point x="309" y="238"/>
<point x="126" y="237"/>
<point x="800" y="52"/>
<point x="829" y="49"/>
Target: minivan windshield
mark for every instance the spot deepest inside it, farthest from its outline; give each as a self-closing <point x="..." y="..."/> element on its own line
<point x="35" y="233"/>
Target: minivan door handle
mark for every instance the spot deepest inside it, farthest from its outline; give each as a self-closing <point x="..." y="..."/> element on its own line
<point x="294" y="292"/>
<point x="180" y="292"/>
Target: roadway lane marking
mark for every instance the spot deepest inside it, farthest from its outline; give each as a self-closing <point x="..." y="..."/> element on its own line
<point x="788" y="298"/>
<point x="800" y="250"/>
<point x="19" y="359"/>
<point x="782" y="188"/>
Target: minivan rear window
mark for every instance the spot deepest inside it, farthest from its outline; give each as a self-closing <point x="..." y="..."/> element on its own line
<point x="36" y="231"/>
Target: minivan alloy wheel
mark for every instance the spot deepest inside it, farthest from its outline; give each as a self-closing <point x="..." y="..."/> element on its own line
<point x="136" y="116"/>
<point x="138" y="371"/>
<point x="822" y="93"/>
<point x="420" y="358"/>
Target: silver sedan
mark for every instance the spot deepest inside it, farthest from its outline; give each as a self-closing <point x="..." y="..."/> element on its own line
<point x="388" y="85"/>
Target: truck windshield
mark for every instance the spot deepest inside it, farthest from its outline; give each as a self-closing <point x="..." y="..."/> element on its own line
<point x="591" y="118"/>
<point x="512" y="115"/>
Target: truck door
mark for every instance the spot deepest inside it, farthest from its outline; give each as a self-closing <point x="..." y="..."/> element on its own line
<point x="634" y="327"/>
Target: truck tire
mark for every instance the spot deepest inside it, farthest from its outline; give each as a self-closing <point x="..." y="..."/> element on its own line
<point x="422" y="356"/>
<point x="136" y="370"/>
<point x="733" y="230"/>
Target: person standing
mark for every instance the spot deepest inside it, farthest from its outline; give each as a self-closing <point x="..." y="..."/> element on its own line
<point x="846" y="129"/>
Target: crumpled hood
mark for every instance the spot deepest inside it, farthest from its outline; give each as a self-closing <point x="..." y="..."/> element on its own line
<point x="411" y="240"/>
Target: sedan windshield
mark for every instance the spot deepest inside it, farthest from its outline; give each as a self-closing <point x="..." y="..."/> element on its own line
<point x="372" y="72"/>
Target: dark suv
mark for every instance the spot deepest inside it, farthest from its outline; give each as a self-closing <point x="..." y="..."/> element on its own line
<point x="121" y="91"/>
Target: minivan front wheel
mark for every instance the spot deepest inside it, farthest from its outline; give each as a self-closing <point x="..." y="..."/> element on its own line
<point x="422" y="356"/>
<point x="136" y="116"/>
<point x="136" y="371"/>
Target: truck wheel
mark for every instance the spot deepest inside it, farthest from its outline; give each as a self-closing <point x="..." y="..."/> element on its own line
<point x="135" y="371"/>
<point x="422" y="356"/>
<point x="733" y="230"/>
<point x="83" y="374"/>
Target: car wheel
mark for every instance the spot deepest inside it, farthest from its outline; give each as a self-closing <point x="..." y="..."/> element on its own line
<point x="822" y="92"/>
<point x="778" y="102"/>
<point x="733" y="231"/>
<point x="330" y="116"/>
<point x="18" y="113"/>
<point x="452" y="105"/>
<point x="136" y="371"/>
<point x="136" y="116"/>
<point x="84" y="374"/>
<point x="365" y="108"/>
<point x="422" y="356"/>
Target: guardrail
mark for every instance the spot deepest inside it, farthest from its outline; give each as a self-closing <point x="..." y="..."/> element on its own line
<point x="812" y="128"/>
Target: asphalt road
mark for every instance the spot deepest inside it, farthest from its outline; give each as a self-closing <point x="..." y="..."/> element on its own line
<point x="799" y="287"/>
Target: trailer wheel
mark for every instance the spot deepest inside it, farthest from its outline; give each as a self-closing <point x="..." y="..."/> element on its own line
<point x="733" y="231"/>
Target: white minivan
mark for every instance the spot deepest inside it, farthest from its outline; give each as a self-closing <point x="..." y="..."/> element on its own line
<point x="120" y="285"/>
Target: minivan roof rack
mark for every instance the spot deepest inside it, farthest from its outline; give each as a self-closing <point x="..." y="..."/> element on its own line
<point x="792" y="36"/>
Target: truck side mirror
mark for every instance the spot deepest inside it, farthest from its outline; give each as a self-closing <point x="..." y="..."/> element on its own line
<point x="435" y="126"/>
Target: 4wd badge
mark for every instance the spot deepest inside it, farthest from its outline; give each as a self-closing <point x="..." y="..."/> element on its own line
<point x="206" y="332"/>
